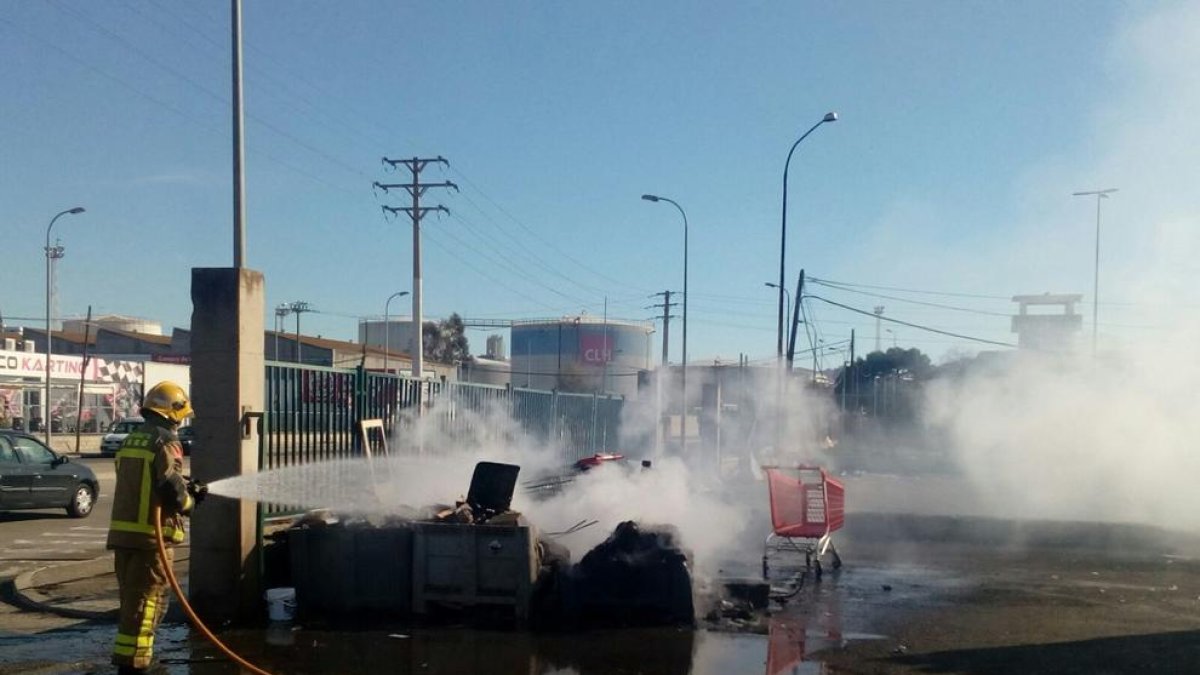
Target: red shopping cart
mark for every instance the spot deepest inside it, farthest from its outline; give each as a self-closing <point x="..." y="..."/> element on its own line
<point x="807" y="506"/>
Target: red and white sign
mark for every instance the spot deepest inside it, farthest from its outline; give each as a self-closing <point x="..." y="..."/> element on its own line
<point x="596" y="349"/>
<point x="28" y="364"/>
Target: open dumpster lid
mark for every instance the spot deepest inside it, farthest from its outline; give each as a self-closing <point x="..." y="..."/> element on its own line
<point x="492" y="486"/>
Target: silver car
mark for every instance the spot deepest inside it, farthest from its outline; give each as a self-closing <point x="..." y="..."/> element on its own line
<point x="116" y="434"/>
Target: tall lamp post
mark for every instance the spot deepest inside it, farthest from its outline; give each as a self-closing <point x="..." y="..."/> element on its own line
<point x="387" y="327"/>
<point x="829" y="117"/>
<point x="1099" y="194"/>
<point x="786" y="293"/>
<point x="683" y="371"/>
<point x="49" y="335"/>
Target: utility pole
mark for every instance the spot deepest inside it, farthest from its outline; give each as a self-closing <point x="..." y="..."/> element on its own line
<point x="605" y="352"/>
<point x="853" y="371"/>
<point x="878" y="321"/>
<point x="666" y="305"/>
<point x="281" y="312"/>
<point x="416" y="212"/>
<point x="791" y="347"/>
<point x="299" y="308"/>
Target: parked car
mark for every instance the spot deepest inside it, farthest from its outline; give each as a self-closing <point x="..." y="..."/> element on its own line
<point x="32" y="476"/>
<point x="187" y="436"/>
<point x="112" y="441"/>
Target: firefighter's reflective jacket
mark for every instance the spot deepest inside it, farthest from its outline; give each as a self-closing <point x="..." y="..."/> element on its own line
<point x="149" y="473"/>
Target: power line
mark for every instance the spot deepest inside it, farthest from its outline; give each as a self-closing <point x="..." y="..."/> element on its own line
<point x="456" y="254"/>
<point x="149" y="58"/>
<point x="545" y="242"/>
<point x="504" y="259"/>
<point x="203" y="123"/>
<point x="541" y="262"/>
<point x="835" y="286"/>
<point x="911" y="325"/>
<point x="911" y="290"/>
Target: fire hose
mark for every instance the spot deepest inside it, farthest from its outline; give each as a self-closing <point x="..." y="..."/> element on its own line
<point x="187" y="609"/>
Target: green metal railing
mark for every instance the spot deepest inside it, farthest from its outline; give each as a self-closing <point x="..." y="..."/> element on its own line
<point x="311" y="414"/>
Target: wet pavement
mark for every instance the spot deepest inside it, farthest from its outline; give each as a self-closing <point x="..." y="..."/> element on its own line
<point x="917" y="594"/>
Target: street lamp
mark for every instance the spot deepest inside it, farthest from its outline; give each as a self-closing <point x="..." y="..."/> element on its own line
<point x="893" y="333"/>
<point x="49" y="335"/>
<point x="387" y="327"/>
<point x="1099" y="194"/>
<point x="786" y="292"/>
<point x="683" y="370"/>
<point x="829" y="117"/>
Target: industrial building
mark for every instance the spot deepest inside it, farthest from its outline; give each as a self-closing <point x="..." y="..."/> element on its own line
<point x="1047" y="331"/>
<point x="581" y="354"/>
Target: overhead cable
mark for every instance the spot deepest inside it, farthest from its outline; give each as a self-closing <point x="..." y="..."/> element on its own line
<point x="911" y="325"/>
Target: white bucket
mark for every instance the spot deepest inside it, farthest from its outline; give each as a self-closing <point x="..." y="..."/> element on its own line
<point x="281" y="604"/>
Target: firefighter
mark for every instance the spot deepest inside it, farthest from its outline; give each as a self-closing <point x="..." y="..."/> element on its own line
<point x="149" y="474"/>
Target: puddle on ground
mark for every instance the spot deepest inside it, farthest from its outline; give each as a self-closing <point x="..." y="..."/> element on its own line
<point x="826" y="615"/>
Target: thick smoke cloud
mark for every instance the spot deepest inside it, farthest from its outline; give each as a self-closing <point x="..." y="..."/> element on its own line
<point x="1111" y="438"/>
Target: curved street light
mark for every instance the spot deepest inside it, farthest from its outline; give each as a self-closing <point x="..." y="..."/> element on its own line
<point x="683" y="371"/>
<point x="387" y="327"/>
<point x="49" y="335"/>
<point x="786" y="292"/>
<point x="829" y="117"/>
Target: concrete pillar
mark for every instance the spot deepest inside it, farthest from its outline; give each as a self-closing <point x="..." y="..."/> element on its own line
<point x="227" y="382"/>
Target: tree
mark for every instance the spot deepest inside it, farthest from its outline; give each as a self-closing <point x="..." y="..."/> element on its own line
<point x="445" y="341"/>
<point x="896" y="375"/>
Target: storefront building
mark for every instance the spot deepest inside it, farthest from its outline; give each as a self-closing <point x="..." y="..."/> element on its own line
<point x="111" y="389"/>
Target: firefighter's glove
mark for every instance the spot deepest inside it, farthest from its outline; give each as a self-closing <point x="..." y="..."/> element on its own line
<point x="197" y="490"/>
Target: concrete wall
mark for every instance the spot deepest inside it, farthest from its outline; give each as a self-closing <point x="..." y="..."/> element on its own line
<point x="227" y="387"/>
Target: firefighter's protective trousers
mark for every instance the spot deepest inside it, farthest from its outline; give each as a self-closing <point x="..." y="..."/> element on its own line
<point x="143" y="587"/>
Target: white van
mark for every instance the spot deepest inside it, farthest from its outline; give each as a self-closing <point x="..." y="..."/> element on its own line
<point x="117" y="432"/>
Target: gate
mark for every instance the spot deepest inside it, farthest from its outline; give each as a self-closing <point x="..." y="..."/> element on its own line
<point x="311" y="414"/>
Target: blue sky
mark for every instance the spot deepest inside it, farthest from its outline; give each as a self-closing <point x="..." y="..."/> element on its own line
<point x="964" y="128"/>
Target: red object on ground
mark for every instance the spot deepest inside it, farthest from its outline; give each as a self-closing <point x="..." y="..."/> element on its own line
<point x="805" y="502"/>
<point x="596" y="460"/>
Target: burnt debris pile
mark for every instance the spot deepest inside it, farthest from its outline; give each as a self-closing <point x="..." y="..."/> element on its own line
<point x="480" y="559"/>
<point x="638" y="576"/>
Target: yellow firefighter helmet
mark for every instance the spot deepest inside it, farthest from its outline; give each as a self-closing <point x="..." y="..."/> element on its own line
<point x="169" y="400"/>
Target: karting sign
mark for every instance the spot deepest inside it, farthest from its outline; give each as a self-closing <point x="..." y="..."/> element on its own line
<point x="595" y="349"/>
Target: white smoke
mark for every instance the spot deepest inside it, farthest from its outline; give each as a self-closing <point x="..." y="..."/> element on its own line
<point x="1111" y="438"/>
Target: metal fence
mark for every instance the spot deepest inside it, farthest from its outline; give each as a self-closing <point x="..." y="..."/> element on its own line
<point x="311" y="413"/>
